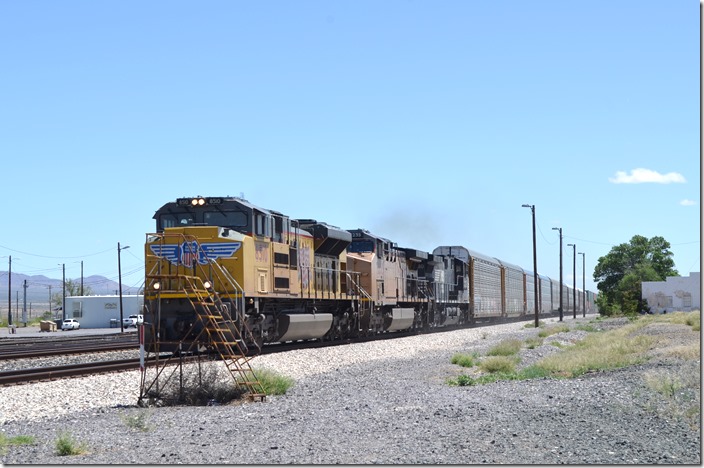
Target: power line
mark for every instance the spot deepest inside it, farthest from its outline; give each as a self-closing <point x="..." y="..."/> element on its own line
<point x="48" y="256"/>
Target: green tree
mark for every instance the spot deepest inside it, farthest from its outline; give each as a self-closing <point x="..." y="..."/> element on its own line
<point x="73" y="288"/>
<point x="619" y="274"/>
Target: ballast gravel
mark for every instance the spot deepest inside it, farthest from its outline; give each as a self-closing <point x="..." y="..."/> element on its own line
<point x="378" y="402"/>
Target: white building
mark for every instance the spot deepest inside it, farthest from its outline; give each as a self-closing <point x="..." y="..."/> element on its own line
<point x="676" y="293"/>
<point x="102" y="311"/>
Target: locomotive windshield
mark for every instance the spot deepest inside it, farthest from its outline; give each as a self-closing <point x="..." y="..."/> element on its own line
<point x="203" y="217"/>
<point x="231" y="219"/>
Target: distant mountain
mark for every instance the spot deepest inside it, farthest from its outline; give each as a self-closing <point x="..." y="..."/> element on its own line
<point x="38" y="287"/>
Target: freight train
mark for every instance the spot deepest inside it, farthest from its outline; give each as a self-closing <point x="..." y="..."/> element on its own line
<point x="275" y="279"/>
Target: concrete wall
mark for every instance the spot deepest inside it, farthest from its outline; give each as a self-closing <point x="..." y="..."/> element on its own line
<point x="676" y="293"/>
<point x="97" y="311"/>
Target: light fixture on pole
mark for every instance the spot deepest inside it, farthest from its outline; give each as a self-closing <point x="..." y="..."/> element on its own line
<point x="560" y="308"/>
<point x="535" y="265"/>
<point x="119" y="279"/>
<point x="584" y="290"/>
<point x="574" y="279"/>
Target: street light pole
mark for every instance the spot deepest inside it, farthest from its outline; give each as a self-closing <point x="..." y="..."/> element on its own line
<point x="574" y="279"/>
<point x="584" y="288"/>
<point x="535" y="265"/>
<point x="63" y="303"/>
<point x="560" y="308"/>
<point x="9" y="294"/>
<point x="119" y="277"/>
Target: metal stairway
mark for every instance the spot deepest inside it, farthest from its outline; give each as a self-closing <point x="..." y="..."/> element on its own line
<point x="220" y="326"/>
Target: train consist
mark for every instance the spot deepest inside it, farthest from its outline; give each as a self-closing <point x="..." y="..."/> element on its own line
<point x="282" y="279"/>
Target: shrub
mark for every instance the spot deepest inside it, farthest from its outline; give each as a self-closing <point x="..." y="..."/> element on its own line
<point x="462" y="381"/>
<point x="464" y="360"/>
<point x="272" y="382"/>
<point x="498" y="364"/>
<point x="505" y="348"/>
<point x="66" y="445"/>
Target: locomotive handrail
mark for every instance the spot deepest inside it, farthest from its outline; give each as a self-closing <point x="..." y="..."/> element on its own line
<point x="360" y="289"/>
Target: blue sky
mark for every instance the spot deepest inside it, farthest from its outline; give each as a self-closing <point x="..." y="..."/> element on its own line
<point x="427" y="122"/>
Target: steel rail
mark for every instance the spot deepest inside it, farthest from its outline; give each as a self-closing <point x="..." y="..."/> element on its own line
<point x="26" y="354"/>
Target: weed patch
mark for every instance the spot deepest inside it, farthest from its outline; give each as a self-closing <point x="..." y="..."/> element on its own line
<point x="505" y="348"/>
<point x="498" y="364"/>
<point x="67" y="445"/>
<point x="6" y="441"/>
<point x="272" y="382"/>
<point x="138" y="421"/>
<point x="464" y="360"/>
<point x="544" y="333"/>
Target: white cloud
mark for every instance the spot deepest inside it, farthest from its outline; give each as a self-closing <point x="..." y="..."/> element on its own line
<point x="686" y="202"/>
<point x="641" y="176"/>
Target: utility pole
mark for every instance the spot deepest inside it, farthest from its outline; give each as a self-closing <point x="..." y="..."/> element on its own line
<point x="560" y="308"/>
<point x="535" y="266"/>
<point x="63" y="303"/>
<point x="119" y="276"/>
<point x="24" y="304"/>
<point x="574" y="279"/>
<point x="9" y="294"/>
<point x="584" y="290"/>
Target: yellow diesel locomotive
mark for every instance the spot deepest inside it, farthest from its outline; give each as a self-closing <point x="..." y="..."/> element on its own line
<point x="268" y="278"/>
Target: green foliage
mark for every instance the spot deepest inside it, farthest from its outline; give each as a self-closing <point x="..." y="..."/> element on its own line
<point x="6" y="441"/>
<point x="273" y="383"/>
<point x="73" y="288"/>
<point x="464" y="360"/>
<point x="619" y="274"/>
<point x="67" y="445"/>
<point x="498" y="364"/>
<point x="462" y="381"/>
<point x="505" y="348"/>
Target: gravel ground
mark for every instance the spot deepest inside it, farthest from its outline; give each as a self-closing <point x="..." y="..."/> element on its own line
<point x="380" y="402"/>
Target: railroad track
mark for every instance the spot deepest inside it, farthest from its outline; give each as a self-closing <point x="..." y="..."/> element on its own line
<point x="42" y="348"/>
<point x="23" y="376"/>
<point x="86" y="369"/>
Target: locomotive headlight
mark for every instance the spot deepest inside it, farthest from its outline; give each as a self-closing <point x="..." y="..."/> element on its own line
<point x="156" y="286"/>
<point x="207" y="284"/>
<point x="194" y="202"/>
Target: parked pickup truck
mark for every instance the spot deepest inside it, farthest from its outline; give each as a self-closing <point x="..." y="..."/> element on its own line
<point x="133" y="320"/>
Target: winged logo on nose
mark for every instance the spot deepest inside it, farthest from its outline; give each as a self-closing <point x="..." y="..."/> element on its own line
<point x="188" y="252"/>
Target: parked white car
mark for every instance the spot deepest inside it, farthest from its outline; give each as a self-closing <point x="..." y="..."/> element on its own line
<point x="70" y="324"/>
<point x="133" y="320"/>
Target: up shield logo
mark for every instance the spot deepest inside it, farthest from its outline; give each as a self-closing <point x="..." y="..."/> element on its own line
<point x="189" y="252"/>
